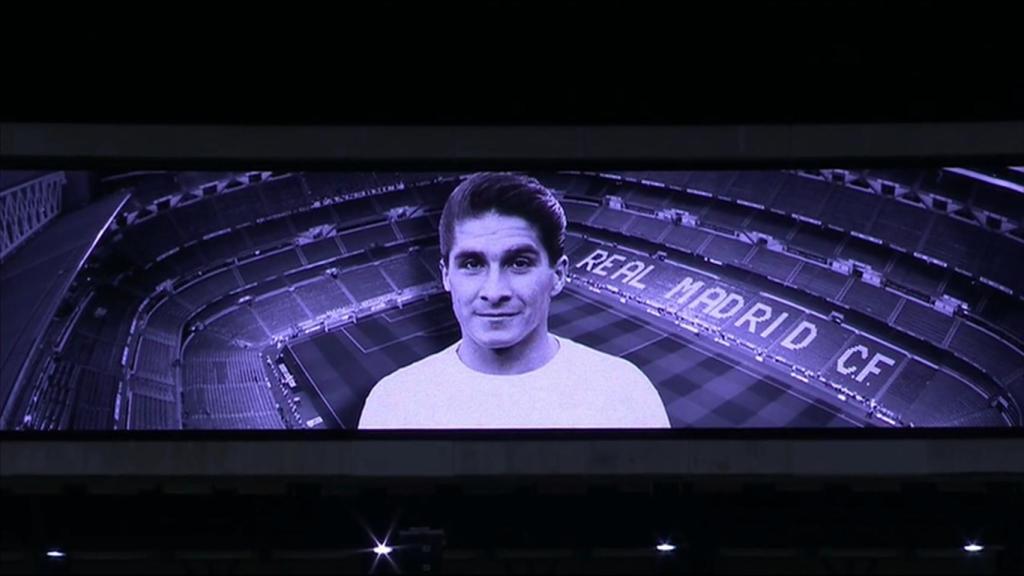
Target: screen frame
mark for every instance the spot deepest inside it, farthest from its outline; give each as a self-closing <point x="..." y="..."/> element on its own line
<point x="917" y="451"/>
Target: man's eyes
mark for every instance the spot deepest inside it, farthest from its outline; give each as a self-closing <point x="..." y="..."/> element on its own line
<point x="522" y="263"/>
<point x="519" y="263"/>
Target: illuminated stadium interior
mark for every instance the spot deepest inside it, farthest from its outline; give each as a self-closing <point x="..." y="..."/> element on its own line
<point x="751" y="299"/>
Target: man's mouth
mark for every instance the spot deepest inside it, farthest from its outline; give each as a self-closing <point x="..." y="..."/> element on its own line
<point x="496" y="314"/>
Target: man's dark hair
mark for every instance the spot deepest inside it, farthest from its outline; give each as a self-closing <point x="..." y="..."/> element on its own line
<point x="510" y="195"/>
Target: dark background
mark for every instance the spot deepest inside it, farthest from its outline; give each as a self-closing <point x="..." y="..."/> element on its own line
<point x="183" y="509"/>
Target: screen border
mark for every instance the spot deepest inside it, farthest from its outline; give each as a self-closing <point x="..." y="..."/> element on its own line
<point x="504" y="452"/>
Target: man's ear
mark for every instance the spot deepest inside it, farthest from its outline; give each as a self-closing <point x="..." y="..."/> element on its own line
<point x="444" y="276"/>
<point x="561" y="270"/>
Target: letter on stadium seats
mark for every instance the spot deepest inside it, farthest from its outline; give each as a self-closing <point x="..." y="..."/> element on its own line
<point x="603" y="269"/>
<point x="752" y="317"/>
<point x="775" y="324"/>
<point x="720" y="310"/>
<point x="596" y="257"/>
<point x="687" y="286"/>
<point x="804" y="326"/>
<point x="841" y="363"/>
<point x="709" y="298"/>
<point x="635" y="282"/>
<point x="629" y="271"/>
<point x="872" y="367"/>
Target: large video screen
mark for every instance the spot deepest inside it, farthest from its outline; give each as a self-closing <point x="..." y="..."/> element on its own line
<point x="791" y="298"/>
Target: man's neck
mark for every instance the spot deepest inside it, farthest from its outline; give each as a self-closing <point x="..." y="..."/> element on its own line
<point x="520" y="359"/>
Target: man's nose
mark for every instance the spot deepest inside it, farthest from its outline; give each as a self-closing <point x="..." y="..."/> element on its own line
<point x="496" y="287"/>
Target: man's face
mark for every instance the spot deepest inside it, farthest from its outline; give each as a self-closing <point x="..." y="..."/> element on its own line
<point x="501" y="280"/>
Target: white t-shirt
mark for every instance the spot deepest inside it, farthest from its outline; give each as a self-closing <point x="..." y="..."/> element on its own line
<point x="578" y="388"/>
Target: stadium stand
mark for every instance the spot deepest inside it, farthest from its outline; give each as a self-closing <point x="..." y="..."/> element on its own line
<point x="923" y="279"/>
<point x="154" y="359"/>
<point x="279" y="312"/>
<point x="269" y="233"/>
<point x="145" y="187"/>
<point x="94" y="400"/>
<point x="680" y="179"/>
<point x="436" y="194"/>
<point x="144" y="242"/>
<point x="140" y="384"/>
<point x="851" y="210"/>
<point x="208" y="287"/>
<point x="321" y="250"/>
<point x="354" y="211"/>
<point x="648" y="197"/>
<point x="195" y="220"/>
<point x="690" y="203"/>
<point x="866" y="252"/>
<point x="610" y="219"/>
<point x="726" y="217"/>
<point x="234" y="211"/>
<point x="770" y="224"/>
<point x="1006" y="312"/>
<point x="181" y="262"/>
<point x="820" y="281"/>
<point x="816" y="242"/>
<point x="578" y="211"/>
<point x="366" y="283"/>
<point x="168" y="318"/>
<point x="362" y="238"/>
<point x="50" y="396"/>
<point x="925" y="396"/>
<point x="269" y="265"/>
<point x="226" y="388"/>
<point x="901" y="224"/>
<point x="320" y="216"/>
<point x="431" y="258"/>
<point x="225" y="247"/>
<point x="283" y="194"/>
<point x="322" y="295"/>
<point x="804" y="196"/>
<point x="955" y="242"/>
<point x="983" y="349"/>
<point x="98" y="353"/>
<point x="966" y="290"/>
<point x="242" y="324"/>
<point x="406" y="272"/>
<point x="998" y="200"/>
<point x="983" y="418"/>
<point x="686" y="239"/>
<point x="1002" y="263"/>
<point x="390" y="200"/>
<point x="414" y="228"/>
<point x="871" y="300"/>
<point x="724" y="249"/>
<point x="755" y="186"/>
<point x="326" y="184"/>
<point x="149" y="413"/>
<point x="647" y="228"/>
<point x="949" y="185"/>
<point x="1016" y="387"/>
<point x="301" y="275"/>
<point x="772" y="264"/>
<point x="571" y="243"/>
<point x="715" y="183"/>
<point x="924" y="322"/>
